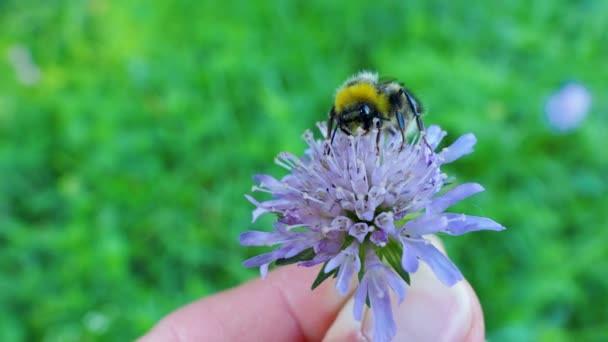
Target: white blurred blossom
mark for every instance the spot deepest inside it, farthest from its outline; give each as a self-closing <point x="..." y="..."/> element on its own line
<point x="26" y="70"/>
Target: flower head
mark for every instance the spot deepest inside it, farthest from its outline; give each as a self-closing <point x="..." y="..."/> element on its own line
<point x="366" y="213"/>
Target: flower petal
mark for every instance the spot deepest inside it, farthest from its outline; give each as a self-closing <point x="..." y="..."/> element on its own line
<point x="258" y="211"/>
<point x="331" y="245"/>
<point x="384" y="323"/>
<point x="359" y="231"/>
<point x="385" y="221"/>
<point x="396" y="283"/>
<point x="319" y="258"/>
<point x="349" y="263"/>
<point x="345" y="275"/>
<point x="264" y="270"/>
<point x="425" y="224"/>
<point x="257" y="238"/>
<point x="442" y="266"/>
<point x="262" y="259"/>
<point x="269" y="182"/>
<point x="379" y="238"/>
<point x="460" y="224"/>
<point x="434" y="135"/>
<point x="341" y="223"/>
<point x="461" y="147"/>
<point x="457" y="194"/>
<point x="360" y="297"/>
<point x="364" y="210"/>
<point x="335" y="262"/>
<point x="376" y="196"/>
<point x="409" y="261"/>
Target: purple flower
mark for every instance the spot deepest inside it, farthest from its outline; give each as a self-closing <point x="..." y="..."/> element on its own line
<point x="567" y="108"/>
<point x="365" y="213"/>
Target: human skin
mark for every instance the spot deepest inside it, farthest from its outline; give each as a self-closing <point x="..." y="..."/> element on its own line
<point x="283" y="308"/>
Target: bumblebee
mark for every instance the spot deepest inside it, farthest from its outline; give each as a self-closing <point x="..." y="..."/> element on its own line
<point x="364" y="100"/>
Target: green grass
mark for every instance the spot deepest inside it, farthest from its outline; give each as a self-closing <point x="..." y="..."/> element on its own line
<point x="123" y="169"/>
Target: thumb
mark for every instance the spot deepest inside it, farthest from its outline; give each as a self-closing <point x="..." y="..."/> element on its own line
<point x="430" y="312"/>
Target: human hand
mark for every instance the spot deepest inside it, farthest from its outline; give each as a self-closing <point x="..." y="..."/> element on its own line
<point x="283" y="308"/>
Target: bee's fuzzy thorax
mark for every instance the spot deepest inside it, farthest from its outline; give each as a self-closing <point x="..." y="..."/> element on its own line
<point x="361" y="88"/>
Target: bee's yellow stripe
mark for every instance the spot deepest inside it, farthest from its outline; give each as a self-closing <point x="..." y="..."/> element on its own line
<point x="361" y="92"/>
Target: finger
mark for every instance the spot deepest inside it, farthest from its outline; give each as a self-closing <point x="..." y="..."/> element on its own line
<point x="430" y="312"/>
<point x="279" y="308"/>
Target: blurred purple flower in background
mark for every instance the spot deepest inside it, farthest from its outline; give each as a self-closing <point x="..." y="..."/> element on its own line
<point x="365" y="214"/>
<point x="567" y="108"/>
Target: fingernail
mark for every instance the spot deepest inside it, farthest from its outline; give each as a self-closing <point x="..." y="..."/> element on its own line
<point x="432" y="311"/>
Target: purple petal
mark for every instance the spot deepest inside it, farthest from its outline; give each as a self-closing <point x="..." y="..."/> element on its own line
<point x="409" y="261"/>
<point x="364" y="210"/>
<point x="257" y="238"/>
<point x="396" y="283"/>
<point x="262" y="259"/>
<point x="425" y="224"/>
<point x="264" y="271"/>
<point x="267" y="206"/>
<point x="379" y="237"/>
<point x="385" y="221"/>
<point x="329" y="246"/>
<point x="457" y="194"/>
<point x="359" y="231"/>
<point x="379" y="300"/>
<point x="442" y="266"/>
<point x="434" y="135"/>
<point x="269" y="182"/>
<point x="258" y="211"/>
<point x="318" y="259"/>
<point x="335" y="262"/>
<point x="341" y="223"/>
<point x="349" y="252"/>
<point x="346" y="272"/>
<point x="292" y="249"/>
<point x="346" y="198"/>
<point x="461" y="147"/>
<point x="460" y="224"/>
<point x="376" y="196"/>
<point x="360" y="297"/>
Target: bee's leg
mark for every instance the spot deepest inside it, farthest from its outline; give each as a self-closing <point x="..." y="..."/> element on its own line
<point x="378" y="126"/>
<point x="343" y="128"/>
<point x="421" y="129"/>
<point x="330" y="122"/>
<point x="402" y="129"/>
<point x="330" y="127"/>
<point x="419" y="122"/>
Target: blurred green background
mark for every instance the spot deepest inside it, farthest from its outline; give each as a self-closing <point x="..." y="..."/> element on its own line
<point x="129" y="132"/>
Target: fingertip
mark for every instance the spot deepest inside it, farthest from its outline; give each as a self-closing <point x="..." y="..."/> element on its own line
<point x="281" y="307"/>
<point x="477" y="332"/>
